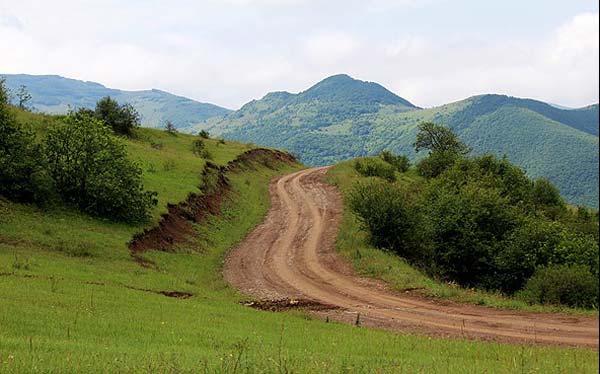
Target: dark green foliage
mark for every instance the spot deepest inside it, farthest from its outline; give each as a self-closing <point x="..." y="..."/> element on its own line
<point x="121" y="118"/>
<point x="443" y="146"/>
<point x="199" y="149"/>
<point x="22" y="173"/>
<point x="468" y="225"/>
<point x="573" y="285"/>
<point x="90" y="168"/>
<point x="389" y="214"/>
<point x="400" y="162"/>
<point x="481" y="223"/>
<point x="375" y="167"/>
<point x="23" y="97"/>
<point x="545" y="193"/>
<point x="170" y="128"/>
<point x="538" y="242"/>
<point x="204" y="134"/>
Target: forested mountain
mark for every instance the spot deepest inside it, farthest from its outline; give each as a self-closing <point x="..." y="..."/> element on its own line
<point x="54" y="94"/>
<point x="341" y="118"/>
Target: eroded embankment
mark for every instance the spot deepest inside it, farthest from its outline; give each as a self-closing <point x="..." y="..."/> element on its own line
<point x="175" y="226"/>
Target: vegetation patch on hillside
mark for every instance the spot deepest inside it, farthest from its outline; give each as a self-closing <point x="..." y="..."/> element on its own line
<point x="476" y="228"/>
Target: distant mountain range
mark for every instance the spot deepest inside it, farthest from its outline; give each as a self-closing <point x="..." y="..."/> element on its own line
<point x="341" y="118"/>
<point x="55" y="94"/>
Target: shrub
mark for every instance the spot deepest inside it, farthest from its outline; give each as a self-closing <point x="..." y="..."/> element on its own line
<point x="199" y="149"/>
<point x="400" y="162"/>
<point x="436" y="163"/>
<point x="90" y="169"/>
<point x="545" y="193"/>
<point x="388" y="213"/>
<point x="23" y="176"/>
<point x="204" y="134"/>
<point x="121" y="118"/>
<point x="375" y="167"/>
<point x="198" y="146"/>
<point x="571" y="285"/>
<point x="468" y="225"/>
<point x="170" y="128"/>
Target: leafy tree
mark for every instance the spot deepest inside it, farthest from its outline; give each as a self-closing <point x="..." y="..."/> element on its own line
<point x="400" y="162"/>
<point x="389" y="214"/>
<point x="22" y="173"/>
<point x="23" y="97"/>
<point x="90" y="168"/>
<point x="204" y="134"/>
<point x="443" y="146"/>
<point x="546" y="194"/>
<point x="121" y="118"/>
<point x="374" y="167"/>
<point x="199" y="149"/>
<point x="170" y="128"/>
<point x="436" y="138"/>
<point x="468" y="224"/>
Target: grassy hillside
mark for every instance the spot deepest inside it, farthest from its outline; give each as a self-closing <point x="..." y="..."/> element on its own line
<point x="55" y="94"/>
<point x="341" y="118"/>
<point x="75" y="300"/>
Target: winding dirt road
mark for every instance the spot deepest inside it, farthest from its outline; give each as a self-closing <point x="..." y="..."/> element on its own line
<point x="291" y="256"/>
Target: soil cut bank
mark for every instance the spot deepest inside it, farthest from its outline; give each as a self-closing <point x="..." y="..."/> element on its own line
<point x="291" y="256"/>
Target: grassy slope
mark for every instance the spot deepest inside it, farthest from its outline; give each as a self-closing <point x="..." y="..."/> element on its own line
<point x="66" y="305"/>
<point x="352" y="243"/>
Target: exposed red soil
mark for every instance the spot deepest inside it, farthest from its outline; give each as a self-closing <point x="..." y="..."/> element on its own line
<point x="175" y="225"/>
<point x="291" y="256"/>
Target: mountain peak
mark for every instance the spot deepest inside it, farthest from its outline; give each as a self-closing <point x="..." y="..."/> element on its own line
<point x="342" y="87"/>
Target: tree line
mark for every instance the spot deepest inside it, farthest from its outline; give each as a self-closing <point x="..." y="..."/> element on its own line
<point x="481" y="222"/>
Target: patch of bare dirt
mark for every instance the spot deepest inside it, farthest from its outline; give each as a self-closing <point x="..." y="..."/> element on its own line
<point x="288" y="304"/>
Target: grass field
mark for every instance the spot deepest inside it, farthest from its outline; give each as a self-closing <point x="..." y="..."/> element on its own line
<point x="73" y="300"/>
<point x="352" y="243"/>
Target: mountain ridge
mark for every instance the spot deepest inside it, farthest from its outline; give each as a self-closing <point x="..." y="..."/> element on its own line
<point x="559" y="144"/>
<point x="56" y="95"/>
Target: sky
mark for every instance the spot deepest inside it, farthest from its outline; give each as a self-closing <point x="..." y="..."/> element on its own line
<point x="229" y="52"/>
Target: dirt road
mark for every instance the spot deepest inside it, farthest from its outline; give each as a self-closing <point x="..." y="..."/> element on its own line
<point x="291" y="256"/>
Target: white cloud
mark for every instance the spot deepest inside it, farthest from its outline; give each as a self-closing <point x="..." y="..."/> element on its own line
<point x="230" y="53"/>
<point x="328" y="48"/>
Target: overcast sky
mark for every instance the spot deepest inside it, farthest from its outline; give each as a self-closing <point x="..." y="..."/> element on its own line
<point x="231" y="51"/>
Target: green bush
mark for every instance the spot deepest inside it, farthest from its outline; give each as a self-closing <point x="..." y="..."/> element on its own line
<point x="375" y="167"/>
<point x="389" y="214"/>
<point x="434" y="164"/>
<point x="572" y="285"/>
<point x="204" y="134"/>
<point x="90" y="168"/>
<point x="121" y="118"/>
<point x="468" y="225"/>
<point x="23" y="176"/>
<point x="400" y="162"/>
